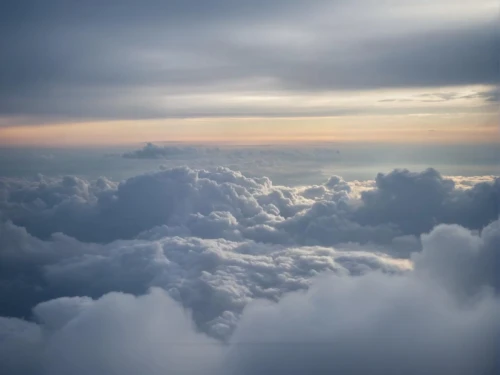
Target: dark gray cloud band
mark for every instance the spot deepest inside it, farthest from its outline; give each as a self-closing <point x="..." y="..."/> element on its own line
<point x="116" y="59"/>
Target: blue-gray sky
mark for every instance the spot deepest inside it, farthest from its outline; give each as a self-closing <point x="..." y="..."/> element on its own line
<point x="66" y="61"/>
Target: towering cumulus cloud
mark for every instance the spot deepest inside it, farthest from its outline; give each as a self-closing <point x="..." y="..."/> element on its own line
<point x="187" y="271"/>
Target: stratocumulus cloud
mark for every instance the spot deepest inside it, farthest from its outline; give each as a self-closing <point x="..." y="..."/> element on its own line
<point x="211" y="271"/>
<point x="157" y="59"/>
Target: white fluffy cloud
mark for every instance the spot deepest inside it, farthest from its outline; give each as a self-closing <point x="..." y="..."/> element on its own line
<point x="463" y="263"/>
<point x="215" y="278"/>
<point x="195" y="271"/>
<point x="116" y="334"/>
<point x="373" y="324"/>
<point x="440" y="318"/>
<point x="376" y="322"/>
<point x="211" y="203"/>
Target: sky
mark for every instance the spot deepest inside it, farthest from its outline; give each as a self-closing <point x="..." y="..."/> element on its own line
<point x="247" y="72"/>
<point x="235" y="187"/>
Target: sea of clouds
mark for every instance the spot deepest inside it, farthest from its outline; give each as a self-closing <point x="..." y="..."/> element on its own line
<point x="212" y="271"/>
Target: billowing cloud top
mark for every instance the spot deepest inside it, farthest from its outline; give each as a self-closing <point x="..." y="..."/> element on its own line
<point x="214" y="272"/>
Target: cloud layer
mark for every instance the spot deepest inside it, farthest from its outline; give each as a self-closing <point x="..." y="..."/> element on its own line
<point x="172" y="59"/>
<point x="224" y="203"/>
<point x="211" y="271"/>
<point x="375" y="322"/>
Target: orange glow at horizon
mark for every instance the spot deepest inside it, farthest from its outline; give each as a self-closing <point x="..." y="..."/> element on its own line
<point x="387" y="129"/>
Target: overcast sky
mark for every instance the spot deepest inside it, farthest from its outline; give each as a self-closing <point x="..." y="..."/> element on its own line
<point x="319" y="193"/>
<point x="94" y="61"/>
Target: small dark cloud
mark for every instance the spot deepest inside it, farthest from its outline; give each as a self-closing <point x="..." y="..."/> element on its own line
<point x="152" y="151"/>
<point x="487" y="96"/>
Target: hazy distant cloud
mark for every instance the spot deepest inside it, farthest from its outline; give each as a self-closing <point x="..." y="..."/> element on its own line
<point x="489" y="96"/>
<point x="121" y="59"/>
<point x="236" y="157"/>
<point x="152" y="151"/>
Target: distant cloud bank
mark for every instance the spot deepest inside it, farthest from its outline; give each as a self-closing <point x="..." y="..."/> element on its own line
<point x="152" y="151"/>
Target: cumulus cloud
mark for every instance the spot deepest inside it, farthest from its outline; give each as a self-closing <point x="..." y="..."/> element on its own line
<point x="371" y="324"/>
<point x="222" y="203"/>
<point x="211" y="271"/>
<point x="460" y="261"/>
<point x="214" y="278"/>
<point x="271" y="278"/>
<point x="415" y="202"/>
<point x="431" y="320"/>
<point x="116" y="334"/>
